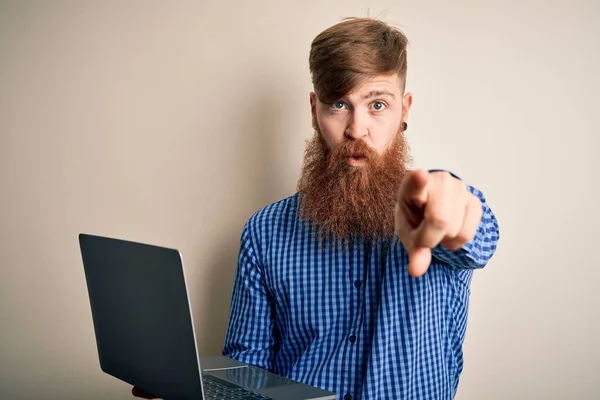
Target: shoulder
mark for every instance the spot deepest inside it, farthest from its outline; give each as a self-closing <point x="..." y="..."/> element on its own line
<point x="274" y="213"/>
<point x="272" y="220"/>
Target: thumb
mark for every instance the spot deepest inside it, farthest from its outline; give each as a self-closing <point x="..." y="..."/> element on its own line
<point x="419" y="259"/>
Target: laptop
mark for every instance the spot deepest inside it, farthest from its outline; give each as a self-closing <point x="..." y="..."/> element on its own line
<point x="145" y="335"/>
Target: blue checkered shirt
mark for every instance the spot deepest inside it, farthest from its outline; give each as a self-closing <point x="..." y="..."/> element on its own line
<point x="352" y="321"/>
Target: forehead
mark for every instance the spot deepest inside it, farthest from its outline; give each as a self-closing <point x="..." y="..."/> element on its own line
<point x="389" y="85"/>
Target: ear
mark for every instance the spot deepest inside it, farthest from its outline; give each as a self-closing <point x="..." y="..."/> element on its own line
<point x="313" y="103"/>
<point x="406" y="105"/>
<point x="313" y="108"/>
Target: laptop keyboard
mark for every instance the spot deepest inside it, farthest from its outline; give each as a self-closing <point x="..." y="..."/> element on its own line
<point x="219" y="389"/>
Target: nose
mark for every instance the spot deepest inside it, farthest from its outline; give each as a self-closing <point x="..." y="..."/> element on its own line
<point x="357" y="127"/>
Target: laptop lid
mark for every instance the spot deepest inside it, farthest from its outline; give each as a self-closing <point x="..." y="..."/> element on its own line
<point x="144" y="339"/>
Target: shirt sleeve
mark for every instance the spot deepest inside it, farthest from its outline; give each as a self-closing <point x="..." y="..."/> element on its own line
<point x="477" y="252"/>
<point x="250" y="333"/>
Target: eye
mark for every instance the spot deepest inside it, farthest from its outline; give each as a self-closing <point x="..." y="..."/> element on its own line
<point x="338" y="105"/>
<point x="378" y="105"/>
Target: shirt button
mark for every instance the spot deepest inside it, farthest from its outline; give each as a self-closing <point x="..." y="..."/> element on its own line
<point x="352" y="338"/>
<point x="357" y="284"/>
<point x="347" y="396"/>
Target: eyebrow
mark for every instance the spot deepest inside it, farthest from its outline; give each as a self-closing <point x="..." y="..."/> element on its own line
<point x="375" y="93"/>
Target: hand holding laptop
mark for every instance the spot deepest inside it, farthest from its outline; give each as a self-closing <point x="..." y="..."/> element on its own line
<point x="141" y="394"/>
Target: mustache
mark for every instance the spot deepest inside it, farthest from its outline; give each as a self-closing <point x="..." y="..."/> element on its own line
<point x="355" y="148"/>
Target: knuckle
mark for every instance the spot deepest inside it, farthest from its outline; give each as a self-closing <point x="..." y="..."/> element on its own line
<point x="455" y="232"/>
<point x="446" y="178"/>
<point x="452" y="244"/>
<point x="464" y="236"/>
<point x="438" y="222"/>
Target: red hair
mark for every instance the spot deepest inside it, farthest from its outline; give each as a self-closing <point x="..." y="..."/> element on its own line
<point x="345" y="54"/>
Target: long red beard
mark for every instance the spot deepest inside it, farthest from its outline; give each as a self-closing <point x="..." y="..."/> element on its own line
<point x="344" y="203"/>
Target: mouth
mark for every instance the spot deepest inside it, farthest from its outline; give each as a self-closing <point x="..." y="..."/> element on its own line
<point x="357" y="159"/>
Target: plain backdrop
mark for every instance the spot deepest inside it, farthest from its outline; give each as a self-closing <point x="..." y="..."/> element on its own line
<point x="171" y="122"/>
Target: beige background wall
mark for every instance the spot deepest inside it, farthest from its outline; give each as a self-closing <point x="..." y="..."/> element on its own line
<point x="171" y="122"/>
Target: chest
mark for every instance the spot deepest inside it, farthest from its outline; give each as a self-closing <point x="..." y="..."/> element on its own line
<point x="317" y="289"/>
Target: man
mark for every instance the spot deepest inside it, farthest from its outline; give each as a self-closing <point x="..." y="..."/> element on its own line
<point x="359" y="283"/>
<point x="325" y="292"/>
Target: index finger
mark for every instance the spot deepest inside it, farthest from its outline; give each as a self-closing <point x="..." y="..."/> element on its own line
<point x="419" y="258"/>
